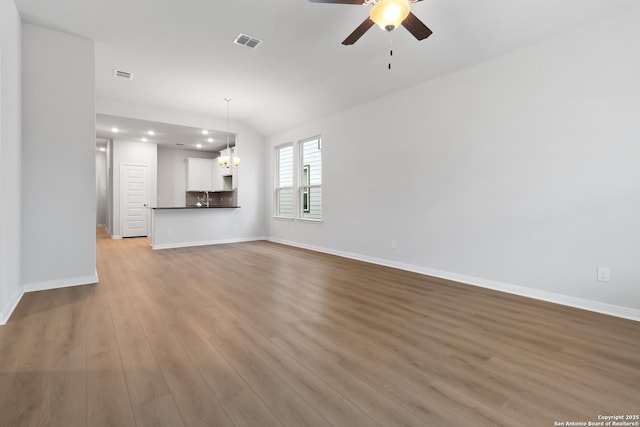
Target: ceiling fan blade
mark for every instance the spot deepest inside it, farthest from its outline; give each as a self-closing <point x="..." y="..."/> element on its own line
<point x="358" y="32"/>
<point x="359" y="2"/>
<point x="416" y="27"/>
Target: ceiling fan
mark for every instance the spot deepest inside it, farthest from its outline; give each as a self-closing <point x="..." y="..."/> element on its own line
<point x="388" y="14"/>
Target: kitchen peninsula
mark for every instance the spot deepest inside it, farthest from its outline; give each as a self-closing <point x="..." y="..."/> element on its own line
<point x="183" y="226"/>
<point x="208" y="214"/>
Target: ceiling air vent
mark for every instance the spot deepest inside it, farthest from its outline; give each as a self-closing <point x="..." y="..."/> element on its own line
<point x="123" y="74"/>
<point x="247" y="41"/>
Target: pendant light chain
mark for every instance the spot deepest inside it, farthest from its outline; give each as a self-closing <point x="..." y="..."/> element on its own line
<point x="225" y="156"/>
<point x="228" y="101"/>
<point x="233" y="156"/>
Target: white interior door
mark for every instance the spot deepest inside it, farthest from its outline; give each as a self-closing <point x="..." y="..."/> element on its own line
<point x="134" y="197"/>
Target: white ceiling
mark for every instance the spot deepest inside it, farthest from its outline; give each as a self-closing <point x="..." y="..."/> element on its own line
<point x="166" y="135"/>
<point x="183" y="57"/>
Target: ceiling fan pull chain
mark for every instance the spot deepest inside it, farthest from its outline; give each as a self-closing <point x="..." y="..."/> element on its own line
<point x="390" y="48"/>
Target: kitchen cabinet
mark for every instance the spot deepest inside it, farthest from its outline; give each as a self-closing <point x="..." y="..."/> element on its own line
<point x="234" y="178"/>
<point x="228" y="175"/>
<point x="217" y="180"/>
<point x="224" y="172"/>
<point x="208" y="175"/>
<point x="199" y="174"/>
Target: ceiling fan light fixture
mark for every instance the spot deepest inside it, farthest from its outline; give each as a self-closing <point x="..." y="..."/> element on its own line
<point x="388" y="14"/>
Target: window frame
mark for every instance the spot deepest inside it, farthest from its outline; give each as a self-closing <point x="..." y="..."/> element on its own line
<point x="277" y="188"/>
<point x="307" y="187"/>
<point x="299" y="187"/>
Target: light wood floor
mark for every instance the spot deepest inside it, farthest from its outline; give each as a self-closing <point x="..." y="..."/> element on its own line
<point x="259" y="334"/>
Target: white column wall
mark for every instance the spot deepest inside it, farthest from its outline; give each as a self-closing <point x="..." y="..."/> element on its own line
<point x="10" y="155"/>
<point x="58" y="159"/>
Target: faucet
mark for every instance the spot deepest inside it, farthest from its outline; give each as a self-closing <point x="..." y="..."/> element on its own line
<point x="207" y="194"/>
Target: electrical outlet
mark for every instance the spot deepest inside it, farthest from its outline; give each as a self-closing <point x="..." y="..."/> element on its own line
<point x="603" y="274"/>
<point x="394" y="244"/>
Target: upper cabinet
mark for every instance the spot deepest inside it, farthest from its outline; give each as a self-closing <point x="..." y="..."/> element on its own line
<point x="225" y="175"/>
<point x="199" y="174"/>
<point x="225" y="170"/>
<point x="208" y="175"/>
<point x="228" y="169"/>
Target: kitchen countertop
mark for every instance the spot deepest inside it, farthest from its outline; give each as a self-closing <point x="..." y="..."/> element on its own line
<point x="194" y="207"/>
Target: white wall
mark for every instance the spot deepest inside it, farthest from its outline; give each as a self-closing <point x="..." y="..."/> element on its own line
<point x="58" y="153"/>
<point x="109" y="226"/>
<point x="101" y="188"/>
<point x="519" y="174"/>
<point x="249" y="220"/>
<point x="172" y="174"/>
<point x="144" y="153"/>
<point x="10" y="154"/>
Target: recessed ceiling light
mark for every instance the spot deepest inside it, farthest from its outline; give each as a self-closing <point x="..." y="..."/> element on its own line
<point x="210" y="140"/>
<point x="199" y="145"/>
<point x="144" y="139"/>
<point x="115" y="130"/>
<point x="151" y="133"/>
<point x="205" y="132"/>
<point x="102" y="149"/>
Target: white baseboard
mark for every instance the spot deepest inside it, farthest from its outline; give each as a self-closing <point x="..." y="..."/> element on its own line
<point x="116" y="236"/>
<point x="596" y="306"/>
<point x="61" y="283"/>
<point x="205" y="242"/>
<point x="7" y="310"/>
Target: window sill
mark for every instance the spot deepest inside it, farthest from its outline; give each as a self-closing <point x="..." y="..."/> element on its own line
<point x="317" y="220"/>
<point x="289" y="218"/>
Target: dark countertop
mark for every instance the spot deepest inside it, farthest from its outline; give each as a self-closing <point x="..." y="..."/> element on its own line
<point x="194" y="207"/>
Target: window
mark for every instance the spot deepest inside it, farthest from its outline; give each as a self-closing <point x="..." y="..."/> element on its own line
<point x="298" y="180"/>
<point x="284" y="181"/>
<point x="311" y="178"/>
